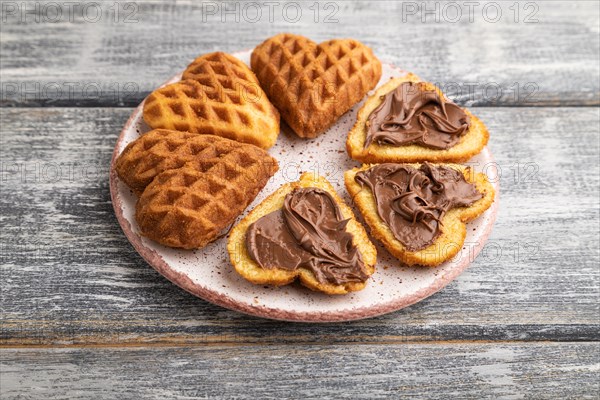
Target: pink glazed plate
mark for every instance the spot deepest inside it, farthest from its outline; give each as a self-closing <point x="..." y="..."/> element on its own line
<point x="208" y="274"/>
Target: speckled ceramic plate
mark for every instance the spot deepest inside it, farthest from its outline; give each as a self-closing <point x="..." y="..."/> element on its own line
<point x="208" y="274"/>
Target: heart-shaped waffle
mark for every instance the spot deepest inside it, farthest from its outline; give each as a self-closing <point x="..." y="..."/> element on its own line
<point x="313" y="85"/>
<point x="218" y="95"/>
<point x="192" y="186"/>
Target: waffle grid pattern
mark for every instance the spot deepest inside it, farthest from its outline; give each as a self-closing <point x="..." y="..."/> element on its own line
<point x="313" y="85"/>
<point x="218" y="95"/>
<point x="196" y="184"/>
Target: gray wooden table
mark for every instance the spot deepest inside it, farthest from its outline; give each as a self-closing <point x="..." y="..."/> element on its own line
<point x="83" y="316"/>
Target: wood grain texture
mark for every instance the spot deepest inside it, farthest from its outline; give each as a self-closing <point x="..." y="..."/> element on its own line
<point x="115" y="61"/>
<point x="539" y="371"/>
<point x="70" y="277"/>
<point x="521" y="322"/>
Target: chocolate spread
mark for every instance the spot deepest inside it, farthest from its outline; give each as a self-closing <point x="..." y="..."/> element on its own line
<point x="308" y="232"/>
<point x="412" y="202"/>
<point x="410" y="114"/>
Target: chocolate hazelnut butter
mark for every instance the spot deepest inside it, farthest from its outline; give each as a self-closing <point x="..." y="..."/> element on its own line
<point x="308" y="232"/>
<point x="413" y="201"/>
<point x="411" y="114"/>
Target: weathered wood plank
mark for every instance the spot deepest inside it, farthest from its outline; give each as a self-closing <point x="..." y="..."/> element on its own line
<point x="483" y="53"/>
<point x="69" y="275"/>
<point x="540" y="371"/>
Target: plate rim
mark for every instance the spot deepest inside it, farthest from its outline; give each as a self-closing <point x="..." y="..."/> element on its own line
<point x="154" y="259"/>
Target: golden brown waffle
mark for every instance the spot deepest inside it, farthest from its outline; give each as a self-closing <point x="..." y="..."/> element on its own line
<point x="192" y="186"/>
<point x="158" y="151"/>
<point x="453" y="227"/>
<point x="218" y="95"/>
<point x="313" y="85"/>
<point x="470" y="144"/>
<point x="250" y="270"/>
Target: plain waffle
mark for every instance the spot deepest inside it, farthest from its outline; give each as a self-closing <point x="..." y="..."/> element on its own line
<point x="192" y="186"/>
<point x="218" y="95"/>
<point x="312" y="84"/>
